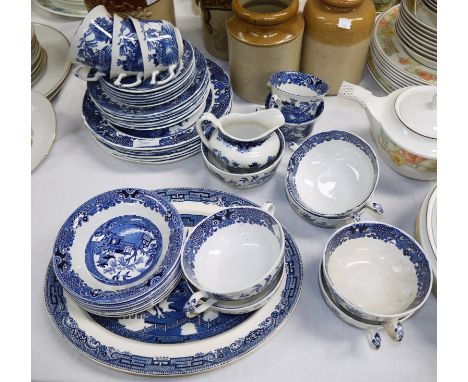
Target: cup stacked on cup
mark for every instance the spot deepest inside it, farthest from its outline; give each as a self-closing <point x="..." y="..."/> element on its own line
<point x="146" y="87"/>
<point x="38" y="58"/>
<point x="300" y="97"/>
<point x="233" y="260"/>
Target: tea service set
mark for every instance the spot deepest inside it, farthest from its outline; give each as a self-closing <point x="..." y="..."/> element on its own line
<point x="153" y="98"/>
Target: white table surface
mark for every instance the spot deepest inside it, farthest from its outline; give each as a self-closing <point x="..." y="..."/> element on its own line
<point x="314" y="344"/>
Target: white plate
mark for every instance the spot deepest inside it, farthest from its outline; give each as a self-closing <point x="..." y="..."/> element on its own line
<point x="56" y="46"/>
<point x="43" y="124"/>
<point x="431" y="220"/>
<point x="71" y="9"/>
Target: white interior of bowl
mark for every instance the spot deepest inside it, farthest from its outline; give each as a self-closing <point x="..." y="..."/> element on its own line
<point x="334" y="177"/>
<point x="293" y="89"/>
<point x="236" y="257"/>
<point x="373" y="275"/>
<point x="86" y="231"/>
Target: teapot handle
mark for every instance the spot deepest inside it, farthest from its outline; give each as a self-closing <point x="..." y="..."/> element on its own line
<point x="214" y="121"/>
<point x="355" y="93"/>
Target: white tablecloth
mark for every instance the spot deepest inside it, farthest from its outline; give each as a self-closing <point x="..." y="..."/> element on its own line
<point x="314" y="345"/>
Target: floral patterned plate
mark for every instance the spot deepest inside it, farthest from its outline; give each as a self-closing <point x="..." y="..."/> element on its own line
<point x="139" y="344"/>
<point x="386" y="42"/>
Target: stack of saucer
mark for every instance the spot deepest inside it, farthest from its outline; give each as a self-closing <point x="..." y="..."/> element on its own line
<point x="416" y="28"/>
<point x="38" y="58"/>
<point x="403" y="49"/>
<point x="119" y="253"/>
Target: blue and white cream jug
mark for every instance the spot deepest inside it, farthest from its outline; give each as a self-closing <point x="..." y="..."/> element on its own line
<point x="242" y="141"/>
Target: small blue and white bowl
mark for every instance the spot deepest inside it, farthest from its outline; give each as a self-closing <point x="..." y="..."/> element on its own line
<point x="297" y="95"/>
<point x="91" y="46"/>
<point x="378" y="273"/>
<point x="232" y="255"/>
<point x="118" y="249"/>
<point x="331" y="178"/>
<point x="243" y="179"/>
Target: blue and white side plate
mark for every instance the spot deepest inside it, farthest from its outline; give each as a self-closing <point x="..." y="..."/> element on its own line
<point x="138" y="344"/>
<point x="118" y="247"/>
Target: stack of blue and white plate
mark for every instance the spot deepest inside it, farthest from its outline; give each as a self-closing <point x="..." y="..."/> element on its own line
<point x="156" y="123"/>
<point x="119" y="253"/>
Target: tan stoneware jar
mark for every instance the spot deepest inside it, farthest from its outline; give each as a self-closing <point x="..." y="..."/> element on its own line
<point x="264" y="37"/>
<point x="336" y="40"/>
<point x="214" y="14"/>
<point x="140" y="9"/>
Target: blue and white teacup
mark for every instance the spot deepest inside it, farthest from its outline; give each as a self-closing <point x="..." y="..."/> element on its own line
<point x="297" y="95"/>
<point x="126" y="53"/>
<point x="232" y="255"/>
<point x="162" y="47"/>
<point x="91" y="46"/>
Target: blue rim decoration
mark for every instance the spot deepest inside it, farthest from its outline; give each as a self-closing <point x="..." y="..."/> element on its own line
<point x="308" y="145"/>
<point x="394" y="236"/>
<point x="219" y="104"/>
<point x="57" y="308"/>
<point x="309" y="81"/>
<point x="65" y="238"/>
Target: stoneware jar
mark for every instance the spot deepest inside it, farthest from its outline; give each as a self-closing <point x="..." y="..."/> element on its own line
<point x="140" y="9"/>
<point x="336" y="41"/>
<point x="214" y="14"/>
<point x="264" y="37"/>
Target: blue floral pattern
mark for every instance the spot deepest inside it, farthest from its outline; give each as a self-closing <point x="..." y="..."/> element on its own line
<point x="130" y="59"/>
<point x="123" y="250"/>
<point x="161" y="41"/>
<point x="62" y="318"/>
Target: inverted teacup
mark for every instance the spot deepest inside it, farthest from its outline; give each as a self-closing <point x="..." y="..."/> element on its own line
<point x="297" y="95"/>
<point x="162" y="47"/>
<point x="331" y="178"/>
<point x="91" y="46"/>
<point x="126" y="53"/>
<point x="232" y="255"/>
<point x="378" y="273"/>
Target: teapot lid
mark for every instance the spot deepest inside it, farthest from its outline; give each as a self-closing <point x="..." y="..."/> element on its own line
<point x="416" y="107"/>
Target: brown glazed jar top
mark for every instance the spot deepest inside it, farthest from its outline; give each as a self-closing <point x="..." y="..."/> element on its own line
<point x="323" y="22"/>
<point x="265" y="29"/>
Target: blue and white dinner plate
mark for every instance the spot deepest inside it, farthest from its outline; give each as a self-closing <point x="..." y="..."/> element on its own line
<point x="138" y="344"/>
<point x="118" y="247"/>
<point x="218" y="102"/>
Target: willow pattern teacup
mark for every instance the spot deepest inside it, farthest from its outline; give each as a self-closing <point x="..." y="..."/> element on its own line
<point x="91" y="46"/>
<point x="162" y="47"/>
<point x="232" y="255"/>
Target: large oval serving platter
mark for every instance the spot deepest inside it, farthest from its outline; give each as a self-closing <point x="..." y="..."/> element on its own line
<point x="141" y="344"/>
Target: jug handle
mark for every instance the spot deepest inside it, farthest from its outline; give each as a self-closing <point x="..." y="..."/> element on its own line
<point x="355" y="93"/>
<point x="216" y="124"/>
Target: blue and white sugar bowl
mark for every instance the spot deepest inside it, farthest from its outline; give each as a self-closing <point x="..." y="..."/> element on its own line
<point x="297" y="95"/>
<point x="242" y="141"/>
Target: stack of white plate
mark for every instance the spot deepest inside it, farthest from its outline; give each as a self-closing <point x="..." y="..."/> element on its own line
<point x="389" y="61"/>
<point x="431" y="4"/>
<point x="38" y="58"/>
<point x="156" y="123"/>
<point x="119" y="253"/>
<point x="416" y="28"/>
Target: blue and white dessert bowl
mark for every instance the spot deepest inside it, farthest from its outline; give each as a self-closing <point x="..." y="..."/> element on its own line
<point x="243" y="179"/>
<point x="91" y="46"/>
<point x="331" y="178"/>
<point x="118" y="248"/>
<point x="232" y="255"/>
<point x="297" y="95"/>
<point x="378" y="273"/>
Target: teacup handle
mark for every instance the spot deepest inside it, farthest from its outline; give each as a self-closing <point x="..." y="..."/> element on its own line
<point x="138" y="81"/>
<point x="276" y="100"/>
<point x="376" y="207"/>
<point x="269" y="207"/>
<point x="395" y="330"/>
<point x="198" y="303"/>
<point x="206" y="117"/>
<point x="84" y="76"/>
<point x="293" y="146"/>
<point x="374" y="339"/>
<point x="172" y="74"/>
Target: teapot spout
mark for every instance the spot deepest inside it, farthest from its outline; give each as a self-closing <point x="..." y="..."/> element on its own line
<point x="355" y="93"/>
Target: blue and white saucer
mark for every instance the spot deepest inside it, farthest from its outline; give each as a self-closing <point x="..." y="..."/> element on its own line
<point x="118" y="247"/>
<point x="138" y="344"/>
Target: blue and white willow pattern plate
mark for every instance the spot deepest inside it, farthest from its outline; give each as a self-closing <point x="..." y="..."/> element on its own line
<point x="142" y="350"/>
<point x="218" y="102"/>
<point x="117" y="247"/>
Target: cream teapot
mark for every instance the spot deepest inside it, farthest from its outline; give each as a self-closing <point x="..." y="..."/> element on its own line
<point x="404" y="127"/>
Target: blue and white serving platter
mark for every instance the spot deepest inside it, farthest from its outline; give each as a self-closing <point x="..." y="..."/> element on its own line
<point x="138" y="344"/>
